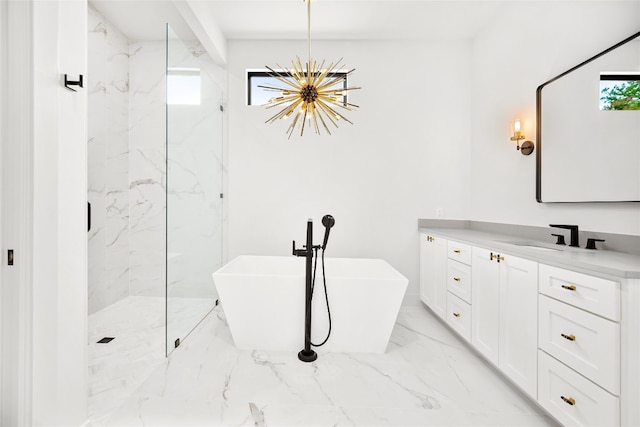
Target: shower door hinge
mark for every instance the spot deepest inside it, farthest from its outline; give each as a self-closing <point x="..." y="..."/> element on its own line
<point x="221" y="108"/>
<point x="10" y="257"/>
<point x="222" y="195"/>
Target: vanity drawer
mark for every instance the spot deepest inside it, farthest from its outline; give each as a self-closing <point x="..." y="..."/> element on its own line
<point x="587" y="343"/>
<point x="459" y="252"/>
<point x="459" y="316"/>
<point x="594" y="294"/>
<point x="584" y="403"/>
<point x="459" y="280"/>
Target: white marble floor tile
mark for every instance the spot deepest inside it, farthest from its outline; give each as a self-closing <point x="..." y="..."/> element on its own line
<point x="137" y="324"/>
<point x="427" y="377"/>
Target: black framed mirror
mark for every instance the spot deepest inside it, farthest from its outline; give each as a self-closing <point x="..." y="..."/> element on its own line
<point x="588" y="129"/>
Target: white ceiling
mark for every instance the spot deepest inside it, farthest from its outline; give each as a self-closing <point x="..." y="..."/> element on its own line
<point x="330" y="19"/>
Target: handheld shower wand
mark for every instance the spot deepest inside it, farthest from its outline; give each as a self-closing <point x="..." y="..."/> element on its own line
<point x="328" y="222"/>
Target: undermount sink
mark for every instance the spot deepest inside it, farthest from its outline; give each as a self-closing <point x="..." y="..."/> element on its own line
<point x="529" y="245"/>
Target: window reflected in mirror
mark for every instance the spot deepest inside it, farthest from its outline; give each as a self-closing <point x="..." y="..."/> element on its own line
<point x="619" y="91"/>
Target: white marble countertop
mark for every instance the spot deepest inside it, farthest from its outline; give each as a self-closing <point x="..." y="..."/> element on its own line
<point x="599" y="262"/>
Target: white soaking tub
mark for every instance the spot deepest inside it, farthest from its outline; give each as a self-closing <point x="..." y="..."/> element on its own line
<point x="263" y="298"/>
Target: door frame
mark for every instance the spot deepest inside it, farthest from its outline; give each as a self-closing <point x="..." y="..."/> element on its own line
<point x="16" y="212"/>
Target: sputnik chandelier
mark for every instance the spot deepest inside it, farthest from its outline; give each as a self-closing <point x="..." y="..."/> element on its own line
<point x="312" y="94"/>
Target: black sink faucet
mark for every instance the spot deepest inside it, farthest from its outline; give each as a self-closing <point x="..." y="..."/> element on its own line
<point x="574" y="233"/>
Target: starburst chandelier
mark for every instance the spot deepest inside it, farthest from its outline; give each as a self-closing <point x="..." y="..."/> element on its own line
<point x="312" y="94"/>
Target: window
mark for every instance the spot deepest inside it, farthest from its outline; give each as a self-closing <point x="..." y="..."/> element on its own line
<point x="259" y="96"/>
<point x="620" y="91"/>
<point x="183" y="86"/>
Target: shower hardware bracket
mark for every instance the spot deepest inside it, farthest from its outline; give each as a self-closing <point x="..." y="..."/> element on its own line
<point x="68" y="83"/>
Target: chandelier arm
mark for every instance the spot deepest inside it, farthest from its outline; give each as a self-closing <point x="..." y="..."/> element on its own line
<point x="320" y="75"/>
<point x="323" y="122"/>
<point x="283" y="79"/>
<point x="314" y="115"/>
<point x="328" y="107"/>
<point x="337" y="103"/>
<point x="328" y="113"/>
<point x="303" y="120"/>
<point x="293" y="125"/>
<point x="272" y="104"/>
<point x="276" y="89"/>
<point x="333" y="81"/>
<point x="284" y="112"/>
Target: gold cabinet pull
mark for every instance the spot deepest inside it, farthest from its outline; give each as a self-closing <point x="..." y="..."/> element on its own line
<point x="457" y="251"/>
<point x="430" y="239"/>
<point x="570" y="400"/>
<point x="457" y="279"/>
<point x="568" y="337"/>
<point x="496" y="256"/>
<point x="456" y="314"/>
<point x="569" y="287"/>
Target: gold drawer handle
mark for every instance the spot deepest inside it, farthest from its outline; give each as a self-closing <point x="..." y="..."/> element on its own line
<point x="568" y="337"/>
<point x="457" y="251"/>
<point x="569" y="287"/>
<point x="456" y="314"/>
<point x="570" y="400"/>
<point x="457" y="279"/>
<point x="496" y="256"/>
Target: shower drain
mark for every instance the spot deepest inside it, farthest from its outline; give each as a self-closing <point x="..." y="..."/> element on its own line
<point x="106" y="340"/>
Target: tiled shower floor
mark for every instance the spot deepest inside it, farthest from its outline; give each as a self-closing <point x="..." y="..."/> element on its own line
<point x="426" y="377"/>
<point x="137" y="324"/>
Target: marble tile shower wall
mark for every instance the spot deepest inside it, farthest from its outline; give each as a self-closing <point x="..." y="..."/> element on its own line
<point x="147" y="168"/>
<point x="126" y="165"/>
<point x="108" y="162"/>
<point x="127" y="171"/>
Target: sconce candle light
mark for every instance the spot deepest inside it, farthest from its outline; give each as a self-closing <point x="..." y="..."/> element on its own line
<point x="527" y="146"/>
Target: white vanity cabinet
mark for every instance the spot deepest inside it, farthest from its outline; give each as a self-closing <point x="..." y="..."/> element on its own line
<point x="564" y="326"/>
<point x="504" y="314"/>
<point x="433" y="273"/>
<point x="580" y="343"/>
<point x="459" y="288"/>
<point x="485" y="294"/>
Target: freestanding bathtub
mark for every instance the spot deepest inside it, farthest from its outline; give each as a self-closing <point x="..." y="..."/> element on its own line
<point x="263" y="298"/>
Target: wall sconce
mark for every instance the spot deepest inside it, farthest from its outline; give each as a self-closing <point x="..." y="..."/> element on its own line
<point x="527" y="146"/>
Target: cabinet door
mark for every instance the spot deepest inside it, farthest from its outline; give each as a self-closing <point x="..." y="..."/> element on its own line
<point x="433" y="273"/>
<point x="485" y="301"/>
<point x="518" y="321"/>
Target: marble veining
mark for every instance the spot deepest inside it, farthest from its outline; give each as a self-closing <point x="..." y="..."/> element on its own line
<point x="108" y="162"/>
<point x="426" y="377"/>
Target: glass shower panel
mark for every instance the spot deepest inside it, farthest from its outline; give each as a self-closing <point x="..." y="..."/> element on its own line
<point x="194" y="187"/>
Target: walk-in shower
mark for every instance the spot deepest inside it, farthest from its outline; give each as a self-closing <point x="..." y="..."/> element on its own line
<point x="155" y="188"/>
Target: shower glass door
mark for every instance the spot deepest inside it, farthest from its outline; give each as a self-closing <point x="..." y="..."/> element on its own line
<point x="194" y="187"/>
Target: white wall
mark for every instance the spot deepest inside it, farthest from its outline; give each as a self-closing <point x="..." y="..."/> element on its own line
<point x="406" y="154"/>
<point x="59" y="375"/>
<point x="530" y="43"/>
